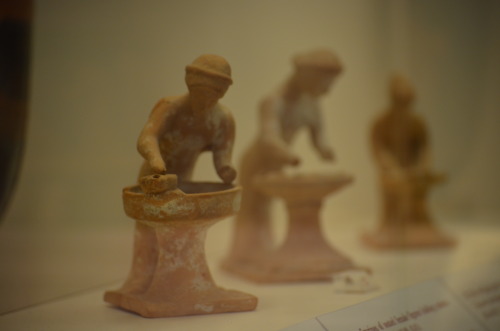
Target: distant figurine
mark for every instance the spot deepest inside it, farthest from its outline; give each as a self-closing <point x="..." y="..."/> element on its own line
<point x="401" y="150"/>
<point x="283" y="113"/>
<point x="181" y="127"/>
<point x="169" y="274"/>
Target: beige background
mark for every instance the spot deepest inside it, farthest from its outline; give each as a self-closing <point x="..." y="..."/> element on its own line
<point x="98" y="67"/>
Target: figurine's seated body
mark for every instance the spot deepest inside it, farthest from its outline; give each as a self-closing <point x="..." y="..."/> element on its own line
<point x="401" y="150"/>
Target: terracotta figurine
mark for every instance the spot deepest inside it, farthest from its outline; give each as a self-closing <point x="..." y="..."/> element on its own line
<point x="169" y="274"/>
<point x="293" y="107"/>
<point x="181" y="127"/>
<point x="401" y="151"/>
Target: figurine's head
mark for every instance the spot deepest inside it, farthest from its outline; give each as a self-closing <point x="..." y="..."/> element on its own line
<point x="401" y="92"/>
<point x="315" y="70"/>
<point x="208" y="78"/>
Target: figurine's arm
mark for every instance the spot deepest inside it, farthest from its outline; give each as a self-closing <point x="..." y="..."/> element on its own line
<point x="386" y="161"/>
<point x="318" y="137"/>
<point x="423" y="157"/>
<point x="392" y="173"/>
<point x="223" y="148"/>
<point x="148" y="144"/>
<point x="270" y="132"/>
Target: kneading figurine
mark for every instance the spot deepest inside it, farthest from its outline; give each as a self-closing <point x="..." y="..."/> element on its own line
<point x="283" y="113"/>
<point x="401" y="151"/>
<point x="181" y="127"/>
<point x="169" y="274"/>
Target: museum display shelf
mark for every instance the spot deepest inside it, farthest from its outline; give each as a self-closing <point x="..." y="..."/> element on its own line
<point x="55" y="280"/>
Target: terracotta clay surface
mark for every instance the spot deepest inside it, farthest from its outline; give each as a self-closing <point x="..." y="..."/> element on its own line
<point x="283" y="113"/>
<point x="169" y="274"/>
<point x="179" y="128"/>
<point x="305" y="253"/>
<point x="401" y="151"/>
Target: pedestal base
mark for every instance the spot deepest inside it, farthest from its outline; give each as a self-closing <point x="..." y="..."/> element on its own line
<point x="213" y="301"/>
<point x="169" y="274"/>
<point x="311" y="264"/>
<point x="407" y="237"/>
<point x="287" y="265"/>
<point x="305" y="254"/>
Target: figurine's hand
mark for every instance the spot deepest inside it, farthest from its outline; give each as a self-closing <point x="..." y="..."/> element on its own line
<point x="158" y="165"/>
<point x="327" y="154"/>
<point x="279" y="152"/>
<point x="227" y="174"/>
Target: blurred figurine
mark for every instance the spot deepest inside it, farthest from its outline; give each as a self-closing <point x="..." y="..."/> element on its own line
<point x="169" y="274"/>
<point x="294" y="106"/>
<point x="402" y="154"/>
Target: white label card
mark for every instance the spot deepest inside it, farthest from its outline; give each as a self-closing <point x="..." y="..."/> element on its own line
<point x="479" y="291"/>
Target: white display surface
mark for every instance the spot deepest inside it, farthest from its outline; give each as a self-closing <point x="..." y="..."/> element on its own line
<point x="280" y="306"/>
<point x="479" y="291"/>
<point x="440" y="304"/>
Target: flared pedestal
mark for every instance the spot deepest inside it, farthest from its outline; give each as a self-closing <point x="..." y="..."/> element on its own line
<point x="169" y="275"/>
<point x="405" y="220"/>
<point x="305" y="254"/>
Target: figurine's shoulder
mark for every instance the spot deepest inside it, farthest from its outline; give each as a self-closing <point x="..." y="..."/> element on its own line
<point x="381" y="119"/>
<point x="168" y="104"/>
<point x="172" y="100"/>
<point x="419" y="125"/>
<point x="223" y="108"/>
<point x="382" y="126"/>
<point x="223" y="113"/>
<point x="418" y="119"/>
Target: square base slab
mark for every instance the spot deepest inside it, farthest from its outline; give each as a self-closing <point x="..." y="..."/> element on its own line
<point x="276" y="272"/>
<point x="214" y="301"/>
